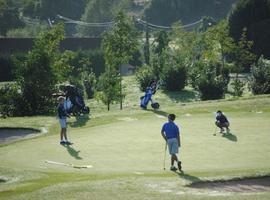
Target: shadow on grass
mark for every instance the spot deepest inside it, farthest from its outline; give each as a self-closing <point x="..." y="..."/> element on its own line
<point x="230" y="137"/>
<point x="159" y="112"/>
<point x="182" y="96"/>
<point x="73" y="152"/>
<point x="188" y="177"/>
<point x="80" y="121"/>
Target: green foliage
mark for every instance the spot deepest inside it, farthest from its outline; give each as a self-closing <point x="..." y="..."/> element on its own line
<point x="210" y="79"/>
<point x="120" y="43"/>
<point x="253" y="15"/>
<point x="146" y="48"/>
<point x="161" y="41"/>
<point x="6" y="68"/>
<point x="37" y="76"/>
<point x="45" y="9"/>
<point x="174" y="74"/>
<point x="219" y="41"/>
<point x="100" y="11"/>
<point x="145" y="76"/>
<point x="89" y="82"/>
<point x="242" y="55"/>
<point x="11" y="100"/>
<point x="9" y="16"/>
<point x="260" y="79"/>
<point x="109" y="87"/>
<point x="238" y="87"/>
<point x="27" y="31"/>
<point x="187" y="11"/>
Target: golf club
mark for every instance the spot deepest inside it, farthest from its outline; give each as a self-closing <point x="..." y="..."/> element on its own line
<point x="165" y="155"/>
<point x="215" y="132"/>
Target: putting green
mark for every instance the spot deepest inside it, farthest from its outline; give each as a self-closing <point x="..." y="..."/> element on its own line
<point x="125" y="151"/>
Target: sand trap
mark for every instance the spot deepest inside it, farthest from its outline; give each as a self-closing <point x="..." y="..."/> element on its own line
<point x="13" y="134"/>
<point x="247" y="185"/>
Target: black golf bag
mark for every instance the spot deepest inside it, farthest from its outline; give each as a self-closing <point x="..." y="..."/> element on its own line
<point x="74" y="100"/>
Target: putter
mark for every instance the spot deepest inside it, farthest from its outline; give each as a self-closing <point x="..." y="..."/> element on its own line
<point x="165" y="155"/>
<point x="215" y="132"/>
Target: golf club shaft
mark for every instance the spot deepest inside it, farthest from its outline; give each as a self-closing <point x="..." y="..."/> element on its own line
<point x="165" y="155"/>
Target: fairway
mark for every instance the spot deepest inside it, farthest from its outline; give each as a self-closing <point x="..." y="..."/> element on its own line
<point x="119" y="155"/>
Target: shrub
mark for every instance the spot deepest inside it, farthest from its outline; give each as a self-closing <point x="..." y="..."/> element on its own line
<point x="238" y="87"/>
<point x="11" y="100"/>
<point x="174" y="75"/>
<point x="144" y="77"/>
<point x="260" y="77"/>
<point x="210" y="79"/>
<point x="89" y="82"/>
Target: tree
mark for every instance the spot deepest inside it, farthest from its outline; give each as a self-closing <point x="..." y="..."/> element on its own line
<point x="9" y="16"/>
<point x="99" y="11"/>
<point x="161" y="44"/>
<point x="146" y="48"/>
<point x="218" y="37"/>
<point x="260" y="77"/>
<point x="37" y="76"/>
<point x="254" y="15"/>
<point x="243" y="59"/>
<point x="119" y="44"/>
<point x="109" y="87"/>
<point x="187" y="11"/>
<point x="210" y="79"/>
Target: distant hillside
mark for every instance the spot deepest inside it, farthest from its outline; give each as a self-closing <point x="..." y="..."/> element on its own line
<point x="166" y="12"/>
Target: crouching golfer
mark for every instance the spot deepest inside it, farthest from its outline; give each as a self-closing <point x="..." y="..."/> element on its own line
<point x="62" y="115"/>
<point x="222" y="122"/>
<point x="171" y="135"/>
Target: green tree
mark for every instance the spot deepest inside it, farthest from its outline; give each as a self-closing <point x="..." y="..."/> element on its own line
<point x="37" y="76"/>
<point x="254" y="15"/>
<point x="243" y="59"/>
<point x="9" y="16"/>
<point x="218" y="37"/>
<point x="119" y="44"/>
<point x="109" y="87"/>
<point x="187" y="11"/>
<point x="161" y="45"/>
<point x="100" y="11"/>
<point x="210" y="79"/>
<point x="260" y="77"/>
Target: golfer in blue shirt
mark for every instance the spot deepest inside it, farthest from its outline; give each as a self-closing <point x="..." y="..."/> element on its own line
<point x="171" y="134"/>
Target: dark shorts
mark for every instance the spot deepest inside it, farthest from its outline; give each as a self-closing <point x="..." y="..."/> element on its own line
<point x="225" y="124"/>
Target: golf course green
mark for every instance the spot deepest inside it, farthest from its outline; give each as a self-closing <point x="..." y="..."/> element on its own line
<point x="119" y="154"/>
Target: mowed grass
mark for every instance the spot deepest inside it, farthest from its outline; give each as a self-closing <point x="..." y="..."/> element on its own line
<point x="126" y="151"/>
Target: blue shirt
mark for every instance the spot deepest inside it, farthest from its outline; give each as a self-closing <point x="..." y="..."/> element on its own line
<point x="171" y="130"/>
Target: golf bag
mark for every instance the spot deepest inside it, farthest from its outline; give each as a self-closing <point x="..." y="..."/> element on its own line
<point x="150" y="91"/>
<point x="74" y="101"/>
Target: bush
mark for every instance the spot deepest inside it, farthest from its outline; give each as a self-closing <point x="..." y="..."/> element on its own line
<point x="210" y="79"/>
<point x="260" y="77"/>
<point x="89" y="82"/>
<point x="92" y="60"/>
<point x="174" y="75"/>
<point x="6" y="68"/>
<point x="238" y="87"/>
<point x="11" y="100"/>
<point x="144" y="77"/>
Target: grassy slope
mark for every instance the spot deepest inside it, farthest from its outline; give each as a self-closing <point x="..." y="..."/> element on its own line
<point x="126" y="151"/>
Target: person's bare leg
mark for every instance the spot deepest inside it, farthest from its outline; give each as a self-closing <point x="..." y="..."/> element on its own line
<point x="173" y="158"/>
<point x="65" y="133"/>
<point x="61" y="134"/>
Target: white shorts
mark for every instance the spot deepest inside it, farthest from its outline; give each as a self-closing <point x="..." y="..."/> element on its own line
<point x="63" y="123"/>
<point x="173" y="146"/>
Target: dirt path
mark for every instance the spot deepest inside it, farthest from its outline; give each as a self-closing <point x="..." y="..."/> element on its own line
<point x="260" y="184"/>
